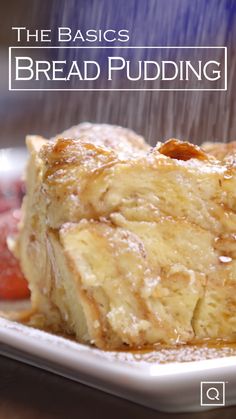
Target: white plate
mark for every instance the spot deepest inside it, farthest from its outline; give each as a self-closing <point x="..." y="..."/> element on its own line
<point x="172" y="387"/>
<point x="12" y="162"/>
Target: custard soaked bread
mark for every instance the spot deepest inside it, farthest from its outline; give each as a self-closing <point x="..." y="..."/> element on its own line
<point x="220" y="150"/>
<point x="130" y="248"/>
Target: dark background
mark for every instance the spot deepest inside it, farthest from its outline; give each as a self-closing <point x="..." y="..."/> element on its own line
<point x="30" y="393"/>
<point x="196" y="116"/>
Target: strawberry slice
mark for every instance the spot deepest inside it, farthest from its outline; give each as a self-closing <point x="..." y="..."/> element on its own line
<point x="13" y="285"/>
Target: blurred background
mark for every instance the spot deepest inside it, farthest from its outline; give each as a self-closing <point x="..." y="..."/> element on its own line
<point x="193" y="116"/>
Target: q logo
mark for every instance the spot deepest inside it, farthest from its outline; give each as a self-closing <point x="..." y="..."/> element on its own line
<point x="212" y="393"/>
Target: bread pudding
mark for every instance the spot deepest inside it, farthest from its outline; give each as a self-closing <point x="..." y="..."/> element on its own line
<point x="220" y="150"/>
<point x="128" y="245"/>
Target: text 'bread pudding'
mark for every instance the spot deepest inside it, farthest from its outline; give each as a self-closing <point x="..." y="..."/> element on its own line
<point x="123" y="244"/>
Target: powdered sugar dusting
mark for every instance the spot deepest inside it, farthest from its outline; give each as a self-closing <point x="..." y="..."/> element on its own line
<point x="183" y="353"/>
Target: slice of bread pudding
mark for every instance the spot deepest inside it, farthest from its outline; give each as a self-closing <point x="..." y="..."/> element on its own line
<point x="132" y="246"/>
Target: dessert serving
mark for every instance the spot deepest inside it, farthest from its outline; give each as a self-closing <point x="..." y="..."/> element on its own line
<point x="124" y="245"/>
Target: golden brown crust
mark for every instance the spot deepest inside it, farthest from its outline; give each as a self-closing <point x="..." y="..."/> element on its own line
<point x="122" y="140"/>
<point x="140" y="247"/>
<point x="182" y="150"/>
